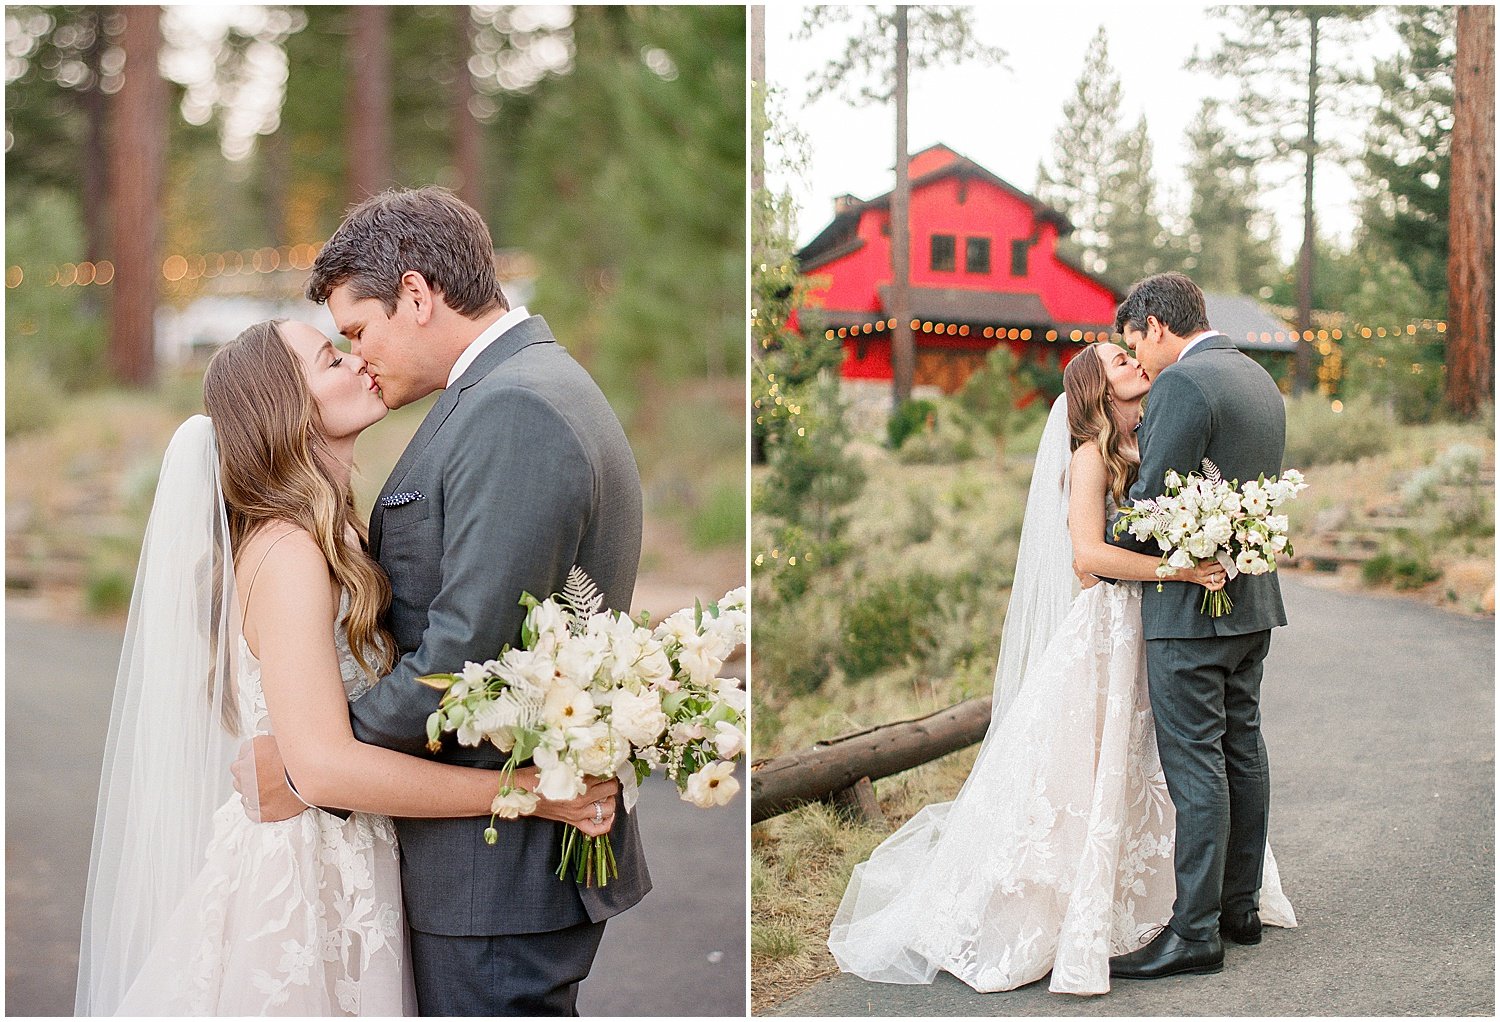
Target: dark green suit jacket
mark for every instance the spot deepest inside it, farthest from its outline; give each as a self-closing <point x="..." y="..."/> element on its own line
<point x="1215" y="403"/>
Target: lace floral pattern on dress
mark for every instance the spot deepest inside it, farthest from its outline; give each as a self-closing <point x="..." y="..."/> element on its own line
<point x="1057" y="852"/>
<point x="300" y="917"/>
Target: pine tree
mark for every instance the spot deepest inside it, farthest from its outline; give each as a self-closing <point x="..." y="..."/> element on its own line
<point x="1230" y="239"/>
<point x="1407" y="158"/>
<point x="1139" y="243"/>
<point x="1085" y="157"/>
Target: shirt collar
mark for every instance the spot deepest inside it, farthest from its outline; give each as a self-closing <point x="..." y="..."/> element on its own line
<point x="1190" y="344"/>
<point x="491" y="334"/>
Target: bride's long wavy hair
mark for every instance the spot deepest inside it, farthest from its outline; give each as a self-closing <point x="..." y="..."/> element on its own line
<point x="1091" y="418"/>
<point x="272" y="460"/>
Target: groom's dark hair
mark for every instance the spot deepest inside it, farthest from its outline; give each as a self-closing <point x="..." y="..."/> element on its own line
<point x="1171" y="297"/>
<point x="429" y="230"/>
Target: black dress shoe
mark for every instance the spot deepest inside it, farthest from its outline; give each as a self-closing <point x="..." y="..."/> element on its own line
<point x="1169" y="955"/>
<point x="1240" y="927"/>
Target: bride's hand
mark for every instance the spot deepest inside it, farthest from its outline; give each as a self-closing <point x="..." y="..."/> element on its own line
<point x="578" y="811"/>
<point x="260" y="778"/>
<point x="1208" y="574"/>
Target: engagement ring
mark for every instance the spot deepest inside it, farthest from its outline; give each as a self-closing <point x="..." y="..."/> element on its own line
<point x="598" y="813"/>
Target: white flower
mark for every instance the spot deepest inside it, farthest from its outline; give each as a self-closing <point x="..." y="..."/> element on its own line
<point x="1278" y="543"/>
<point x="655" y="669"/>
<point x="474" y="676"/>
<point x="714" y="785"/>
<point x="697" y="659"/>
<point x="1200" y="545"/>
<point x="596" y="748"/>
<point x="1246" y="561"/>
<point x="686" y="731"/>
<point x="1141" y="528"/>
<point x="1230" y="503"/>
<point x="677" y="626"/>
<point x="568" y="706"/>
<point x="528" y="671"/>
<point x="733" y="600"/>
<point x="1180" y="525"/>
<point x="638" y="716"/>
<point x="580" y="657"/>
<point x="1180" y="559"/>
<point x="1217" y="530"/>
<point x="1254" y="500"/>
<point x="1278" y="523"/>
<point x="558" y="779"/>
<point x="729" y="741"/>
<point x="730" y="694"/>
<point x="513" y="802"/>
<point x="1172" y="480"/>
<point x="550" y="623"/>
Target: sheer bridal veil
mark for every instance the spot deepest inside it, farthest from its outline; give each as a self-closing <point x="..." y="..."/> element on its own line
<point x="1042" y="589"/>
<point x="174" y="728"/>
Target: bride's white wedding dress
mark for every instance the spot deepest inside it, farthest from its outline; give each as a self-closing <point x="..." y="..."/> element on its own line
<point x="1057" y="852"/>
<point x="300" y="917"/>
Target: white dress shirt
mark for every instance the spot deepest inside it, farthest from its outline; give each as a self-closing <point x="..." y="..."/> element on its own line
<point x="1189" y="346"/>
<point x="484" y="340"/>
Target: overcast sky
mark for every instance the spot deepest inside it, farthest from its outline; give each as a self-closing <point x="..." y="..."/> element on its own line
<point x="1005" y="117"/>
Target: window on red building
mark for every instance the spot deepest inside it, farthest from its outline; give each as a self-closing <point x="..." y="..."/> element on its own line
<point x="944" y="252"/>
<point x="977" y="255"/>
<point x="1020" y="253"/>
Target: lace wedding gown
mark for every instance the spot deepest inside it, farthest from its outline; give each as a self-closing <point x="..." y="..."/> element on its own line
<point x="300" y="917"/>
<point x="1057" y="852"/>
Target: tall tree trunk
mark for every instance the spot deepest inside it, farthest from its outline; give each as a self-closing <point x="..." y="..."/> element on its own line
<point x="276" y="176"/>
<point x="1471" y="216"/>
<point x="758" y="78"/>
<point x="137" y="160"/>
<point x="903" y="344"/>
<point x="1303" y="377"/>
<point x="470" y="186"/>
<point x="369" y="101"/>
<point x="95" y="170"/>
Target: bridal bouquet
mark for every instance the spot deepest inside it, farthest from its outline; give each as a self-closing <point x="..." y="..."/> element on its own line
<point x="595" y="693"/>
<point x="1204" y="517"/>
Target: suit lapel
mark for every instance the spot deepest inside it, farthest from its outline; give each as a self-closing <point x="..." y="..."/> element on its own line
<point x="531" y="330"/>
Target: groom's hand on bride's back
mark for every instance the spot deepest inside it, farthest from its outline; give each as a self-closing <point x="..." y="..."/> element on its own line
<point x="578" y="811"/>
<point x="260" y="778"/>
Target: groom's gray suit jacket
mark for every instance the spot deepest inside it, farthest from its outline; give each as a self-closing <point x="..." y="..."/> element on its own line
<point x="520" y="471"/>
<point x="1216" y="403"/>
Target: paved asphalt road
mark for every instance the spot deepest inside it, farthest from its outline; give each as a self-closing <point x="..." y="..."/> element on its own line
<point x="680" y="952"/>
<point x="1380" y="720"/>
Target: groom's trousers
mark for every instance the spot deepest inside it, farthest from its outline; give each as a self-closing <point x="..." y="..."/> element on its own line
<point x="1205" y="696"/>
<point x="504" y="976"/>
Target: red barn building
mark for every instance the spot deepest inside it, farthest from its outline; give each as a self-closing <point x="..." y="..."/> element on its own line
<point x="984" y="270"/>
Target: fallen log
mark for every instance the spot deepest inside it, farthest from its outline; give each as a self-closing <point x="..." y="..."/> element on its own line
<point x="781" y="784"/>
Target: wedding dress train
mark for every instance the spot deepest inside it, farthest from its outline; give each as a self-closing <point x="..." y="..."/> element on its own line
<point x="1057" y="852"/>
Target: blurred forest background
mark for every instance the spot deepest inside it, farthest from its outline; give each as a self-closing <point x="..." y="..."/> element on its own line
<point x="171" y="172"/>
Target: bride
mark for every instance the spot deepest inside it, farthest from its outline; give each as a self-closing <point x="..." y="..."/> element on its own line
<point x="256" y="609"/>
<point x="1057" y="852"/>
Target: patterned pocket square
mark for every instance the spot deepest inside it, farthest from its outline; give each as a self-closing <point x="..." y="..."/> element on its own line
<point x="404" y="497"/>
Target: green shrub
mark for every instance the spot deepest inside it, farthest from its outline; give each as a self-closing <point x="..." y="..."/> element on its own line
<point x="796" y="647"/>
<point x="32" y="400"/>
<point x="107" y="590"/>
<point x="915" y="415"/>
<point x="883" y="625"/>
<point x="720" y="520"/>
<point x="921" y="520"/>
<point x="1318" y="435"/>
<point x="949" y="441"/>
<point x="1404" y="569"/>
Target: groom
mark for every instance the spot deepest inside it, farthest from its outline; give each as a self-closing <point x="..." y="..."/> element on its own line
<point x="520" y="471"/>
<point x="1207" y="400"/>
